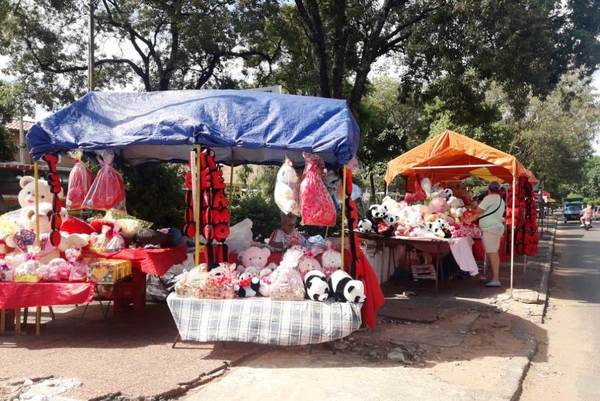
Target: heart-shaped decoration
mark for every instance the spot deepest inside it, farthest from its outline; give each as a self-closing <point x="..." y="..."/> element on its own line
<point x="98" y="273"/>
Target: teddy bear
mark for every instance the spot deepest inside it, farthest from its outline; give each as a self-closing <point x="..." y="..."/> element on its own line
<point x="27" y="194"/>
<point x="457" y="208"/>
<point x="331" y="260"/>
<point x="254" y="257"/>
<point x="439" y="228"/>
<point x="307" y="263"/>
<point x="25" y="237"/>
<point x="286" y="189"/>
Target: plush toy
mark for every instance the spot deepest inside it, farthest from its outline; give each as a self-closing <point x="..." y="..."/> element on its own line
<point x="391" y="218"/>
<point x="56" y="270"/>
<point x="377" y="212"/>
<point x="79" y="269"/>
<point x="331" y="261"/>
<point x="345" y="289"/>
<point x="255" y="257"/>
<point x="308" y="263"/>
<point x="438" y="205"/>
<point x="426" y="186"/>
<point x="392" y="206"/>
<point x="248" y="285"/>
<point x="286" y="189"/>
<point x="291" y="257"/>
<point x="440" y="228"/>
<point x="457" y="208"/>
<point x="265" y="277"/>
<point x="447" y="193"/>
<point x="27" y="194"/>
<point x="365" y="226"/>
<point x="414" y="217"/>
<point x="26" y="236"/>
<point x="316" y="285"/>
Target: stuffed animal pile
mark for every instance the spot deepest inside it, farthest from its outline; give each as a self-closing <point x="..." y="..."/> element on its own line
<point x="300" y="275"/>
<point x="440" y="215"/>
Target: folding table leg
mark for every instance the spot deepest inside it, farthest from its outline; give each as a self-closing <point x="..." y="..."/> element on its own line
<point x="38" y="320"/>
<point x="2" y="321"/>
<point x="52" y="313"/>
<point x="18" y="322"/>
<point x="25" y="315"/>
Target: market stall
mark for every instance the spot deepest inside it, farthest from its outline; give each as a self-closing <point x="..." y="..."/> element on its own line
<point x="204" y="129"/>
<point x="432" y="208"/>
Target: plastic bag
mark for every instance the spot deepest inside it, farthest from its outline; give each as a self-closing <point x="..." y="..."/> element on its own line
<point x="107" y="190"/>
<point x="80" y="181"/>
<point x="287" y="284"/>
<point x="240" y="236"/>
<point x="286" y="189"/>
<point x="316" y="205"/>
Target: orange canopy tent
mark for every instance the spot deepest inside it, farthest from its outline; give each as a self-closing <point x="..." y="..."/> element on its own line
<point x="452" y="156"/>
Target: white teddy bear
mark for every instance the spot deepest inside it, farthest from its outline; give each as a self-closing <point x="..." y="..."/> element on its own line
<point x="27" y="193"/>
<point x="286" y="189"/>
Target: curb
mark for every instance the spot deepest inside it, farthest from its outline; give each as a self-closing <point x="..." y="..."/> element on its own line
<point x="544" y="284"/>
<point x="530" y="354"/>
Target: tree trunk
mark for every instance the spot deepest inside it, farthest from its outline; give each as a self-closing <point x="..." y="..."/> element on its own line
<point x="360" y="83"/>
<point x="339" y="48"/>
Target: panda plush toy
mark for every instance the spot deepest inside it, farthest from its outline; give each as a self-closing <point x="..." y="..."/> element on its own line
<point x="440" y="228"/>
<point x="316" y="286"/>
<point x="391" y="219"/>
<point x="365" y="226"/>
<point x="345" y="289"/>
<point x="377" y="212"/>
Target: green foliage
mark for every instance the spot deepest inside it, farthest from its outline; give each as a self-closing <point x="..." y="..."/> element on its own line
<point x="590" y="185"/>
<point x="263" y="212"/>
<point x="155" y="193"/>
<point x="7" y="146"/>
<point x="554" y="139"/>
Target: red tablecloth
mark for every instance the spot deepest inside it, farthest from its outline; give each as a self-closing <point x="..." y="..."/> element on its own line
<point x="150" y="261"/>
<point x="22" y="295"/>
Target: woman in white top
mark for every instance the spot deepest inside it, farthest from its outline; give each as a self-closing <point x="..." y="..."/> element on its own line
<point x="490" y="213"/>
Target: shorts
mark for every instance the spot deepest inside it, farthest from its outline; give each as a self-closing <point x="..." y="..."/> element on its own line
<point x="491" y="239"/>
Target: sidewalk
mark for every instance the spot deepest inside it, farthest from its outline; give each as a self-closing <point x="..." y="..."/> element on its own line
<point x="468" y="342"/>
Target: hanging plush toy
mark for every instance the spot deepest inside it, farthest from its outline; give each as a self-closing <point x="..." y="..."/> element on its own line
<point x="286" y="189"/>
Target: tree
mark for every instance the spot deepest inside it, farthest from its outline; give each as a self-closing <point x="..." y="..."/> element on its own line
<point x="554" y="139"/>
<point x="165" y="44"/>
<point x="590" y="185"/>
<point x="523" y="46"/>
<point x="8" y="109"/>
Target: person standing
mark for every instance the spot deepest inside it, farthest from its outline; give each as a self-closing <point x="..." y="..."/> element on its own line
<point x="490" y="213"/>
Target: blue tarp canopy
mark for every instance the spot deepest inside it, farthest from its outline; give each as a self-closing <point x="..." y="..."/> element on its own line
<point x="240" y="126"/>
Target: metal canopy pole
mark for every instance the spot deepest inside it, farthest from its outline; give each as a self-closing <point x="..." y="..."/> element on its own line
<point x="512" y="235"/>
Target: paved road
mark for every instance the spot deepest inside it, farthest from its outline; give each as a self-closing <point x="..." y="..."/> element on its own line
<point x="567" y="366"/>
